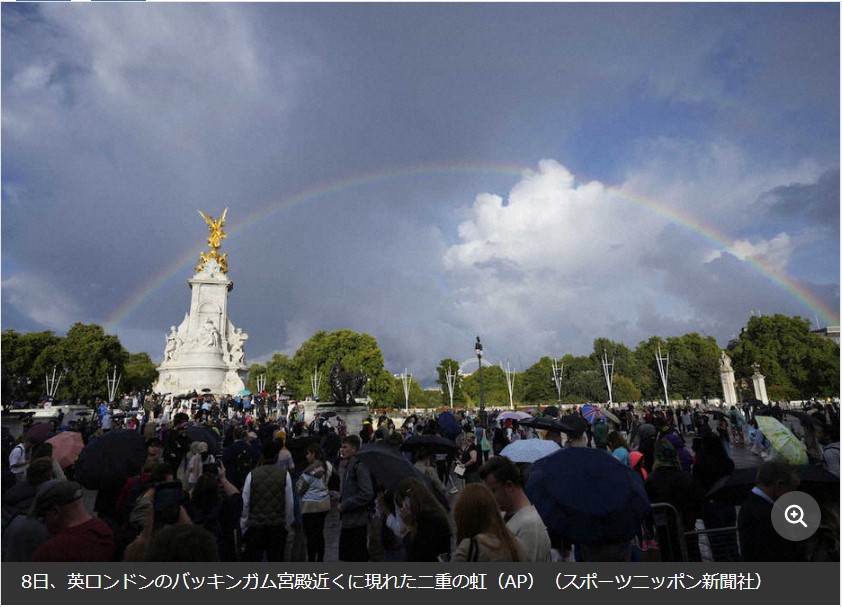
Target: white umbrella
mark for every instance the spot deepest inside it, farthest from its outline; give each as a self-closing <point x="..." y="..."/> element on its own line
<point x="515" y="415"/>
<point x="528" y="450"/>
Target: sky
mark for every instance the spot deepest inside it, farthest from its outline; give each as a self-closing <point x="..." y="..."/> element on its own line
<point x="539" y="175"/>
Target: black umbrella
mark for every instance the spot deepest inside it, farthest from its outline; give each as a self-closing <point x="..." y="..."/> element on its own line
<point x="573" y="423"/>
<point x="110" y="459"/>
<point x="388" y="466"/>
<point x="431" y="443"/>
<point x="734" y="489"/>
<point x="204" y="434"/>
<point x="587" y="495"/>
<point x="551" y="411"/>
<point x="206" y="390"/>
<point x="327" y="414"/>
<point x="543" y="423"/>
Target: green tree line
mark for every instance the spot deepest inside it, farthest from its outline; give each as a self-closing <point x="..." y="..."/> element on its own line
<point x="796" y="362"/>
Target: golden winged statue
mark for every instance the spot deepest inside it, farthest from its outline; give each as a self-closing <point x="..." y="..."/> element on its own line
<point x="214" y="242"/>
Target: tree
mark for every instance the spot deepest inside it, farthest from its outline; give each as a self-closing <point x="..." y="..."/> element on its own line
<point x="537" y="382"/>
<point x="22" y="380"/>
<point x="139" y="374"/>
<point x="794" y="360"/>
<point x="89" y="355"/>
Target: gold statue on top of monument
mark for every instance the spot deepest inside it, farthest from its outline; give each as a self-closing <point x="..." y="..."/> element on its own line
<point x="214" y="242"/>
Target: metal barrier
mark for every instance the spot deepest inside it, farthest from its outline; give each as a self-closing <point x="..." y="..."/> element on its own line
<point x="676" y="544"/>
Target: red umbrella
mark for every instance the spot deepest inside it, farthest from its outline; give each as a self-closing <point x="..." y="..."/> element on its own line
<point x="67" y="446"/>
<point x="264" y="394"/>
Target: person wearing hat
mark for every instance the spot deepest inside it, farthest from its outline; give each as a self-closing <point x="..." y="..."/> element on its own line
<point x="76" y="535"/>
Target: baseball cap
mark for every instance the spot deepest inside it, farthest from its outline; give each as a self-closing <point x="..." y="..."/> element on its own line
<point x="56" y="493"/>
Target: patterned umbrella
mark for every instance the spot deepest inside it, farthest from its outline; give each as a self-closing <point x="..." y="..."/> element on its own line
<point x="529" y="450"/>
<point x="592" y="412"/>
<point x="783" y="441"/>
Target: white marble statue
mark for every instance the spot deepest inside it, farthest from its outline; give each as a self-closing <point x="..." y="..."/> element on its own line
<point x="238" y="338"/>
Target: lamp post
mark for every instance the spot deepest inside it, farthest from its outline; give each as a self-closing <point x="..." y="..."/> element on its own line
<point x="478" y="350"/>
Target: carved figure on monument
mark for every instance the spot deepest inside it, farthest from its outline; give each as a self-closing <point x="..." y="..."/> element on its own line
<point x="173" y="341"/>
<point x="238" y="338"/>
<point x="210" y="336"/>
<point x="345" y="386"/>
<point x="214" y="242"/>
<point x="725" y="362"/>
<point x="755" y="366"/>
<point x="337" y="382"/>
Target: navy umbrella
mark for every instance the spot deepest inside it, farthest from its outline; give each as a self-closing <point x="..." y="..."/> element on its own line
<point x="587" y="495"/>
<point x="449" y="426"/>
<point x="110" y="459"/>
<point x="204" y="434"/>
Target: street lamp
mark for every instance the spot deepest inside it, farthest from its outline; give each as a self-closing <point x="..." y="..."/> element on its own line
<point x="478" y="350"/>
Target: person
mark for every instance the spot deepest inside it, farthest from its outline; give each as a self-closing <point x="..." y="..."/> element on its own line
<point x="315" y="501"/>
<point x="504" y="480"/>
<point x="218" y="511"/>
<point x="668" y="483"/>
<point x="428" y="530"/>
<point x="76" y="535"/>
<point x="197" y="461"/>
<point x="422" y="463"/>
<point x="285" y="459"/>
<point x="758" y="539"/>
<point x="471" y="459"/>
<point x="600" y="433"/>
<point x="481" y="534"/>
<point x="23" y="532"/>
<point x="180" y="543"/>
<point x="356" y="501"/>
<point x="618" y="446"/>
<point x="267" y="509"/>
<point x="19" y="457"/>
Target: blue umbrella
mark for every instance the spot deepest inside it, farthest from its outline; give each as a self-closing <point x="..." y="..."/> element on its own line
<point x="529" y="450"/>
<point x="449" y="426"/>
<point x="587" y="495"/>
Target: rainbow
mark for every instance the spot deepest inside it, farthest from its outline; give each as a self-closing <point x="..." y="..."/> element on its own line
<point x="718" y="238"/>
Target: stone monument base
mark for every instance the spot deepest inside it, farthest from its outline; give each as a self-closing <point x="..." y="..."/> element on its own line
<point x="354" y="415"/>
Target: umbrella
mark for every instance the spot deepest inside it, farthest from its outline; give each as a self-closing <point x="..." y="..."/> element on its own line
<point x="734" y="489"/>
<point x="543" y="423"/>
<point x="328" y="414"/>
<point x="206" y="390"/>
<point x="573" y="423"/>
<point x="592" y="412"/>
<point x="264" y="394"/>
<point x="717" y="413"/>
<point x="782" y="440"/>
<point x="515" y="415"/>
<point x="110" y="459"/>
<point x="66" y="447"/>
<point x="448" y="425"/>
<point x="204" y="434"/>
<point x="551" y="411"/>
<point x="430" y="442"/>
<point x="587" y="495"/>
<point x="528" y="450"/>
<point x="40" y="431"/>
<point x="243" y="392"/>
<point x="388" y="466"/>
<point x="534" y="411"/>
<point x="610" y="416"/>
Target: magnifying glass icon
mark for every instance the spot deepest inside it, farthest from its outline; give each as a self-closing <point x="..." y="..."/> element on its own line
<point x="794" y="515"/>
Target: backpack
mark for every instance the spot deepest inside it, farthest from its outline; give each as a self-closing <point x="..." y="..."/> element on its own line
<point x="243" y="464"/>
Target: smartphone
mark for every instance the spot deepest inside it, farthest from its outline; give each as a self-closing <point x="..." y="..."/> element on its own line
<point x="167" y="502"/>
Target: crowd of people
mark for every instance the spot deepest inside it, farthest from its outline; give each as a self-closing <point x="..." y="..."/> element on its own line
<point x="263" y="484"/>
